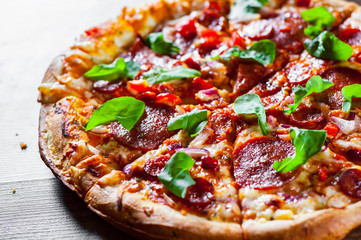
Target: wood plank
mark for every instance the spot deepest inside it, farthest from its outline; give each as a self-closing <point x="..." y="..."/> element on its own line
<point x="32" y="34"/>
<point x="45" y="209"/>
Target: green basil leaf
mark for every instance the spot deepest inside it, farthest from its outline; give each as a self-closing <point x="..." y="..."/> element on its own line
<point x="111" y="72"/>
<point x="132" y="69"/>
<point x="327" y="46"/>
<point x="316" y="84"/>
<point x="175" y="175"/>
<point x="313" y="31"/>
<point x="158" y="75"/>
<point x="263" y="52"/>
<point x="242" y="8"/>
<point x="159" y="45"/>
<point x="126" y="110"/>
<point x="348" y="93"/>
<point x="250" y="104"/>
<point x="318" y="17"/>
<point x="307" y="143"/>
<point x="193" y="122"/>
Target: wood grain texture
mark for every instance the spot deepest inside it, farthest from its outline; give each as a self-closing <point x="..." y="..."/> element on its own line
<point x="32" y="34"/>
<point x="45" y="209"/>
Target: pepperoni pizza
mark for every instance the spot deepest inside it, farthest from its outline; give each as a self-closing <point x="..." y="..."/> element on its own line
<point x="213" y="120"/>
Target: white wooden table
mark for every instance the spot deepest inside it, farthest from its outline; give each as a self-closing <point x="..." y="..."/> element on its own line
<point x="32" y="33"/>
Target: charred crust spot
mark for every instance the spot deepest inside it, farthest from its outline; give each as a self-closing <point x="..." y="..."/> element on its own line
<point x="59" y="109"/>
<point x="119" y="204"/>
<point x="65" y="133"/>
<point x="148" y="211"/>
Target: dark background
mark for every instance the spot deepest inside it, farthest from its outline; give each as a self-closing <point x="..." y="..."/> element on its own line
<point x="32" y="33"/>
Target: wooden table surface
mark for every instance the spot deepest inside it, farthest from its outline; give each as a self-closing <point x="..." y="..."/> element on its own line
<point x="33" y="203"/>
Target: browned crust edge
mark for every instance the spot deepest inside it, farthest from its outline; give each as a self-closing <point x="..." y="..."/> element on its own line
<point x="322" y="224"/>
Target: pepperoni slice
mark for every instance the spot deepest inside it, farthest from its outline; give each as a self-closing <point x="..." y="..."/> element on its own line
<point x="340" y="77"/>
<point x="308" y="117"/>
<point x="200" y="194"/>
<point x="149" y="132"/>
<point x="253" y="162"/>
<point x="350" y="183"/>
<point x="223" y="125"/>
<point x="154" y="166"/>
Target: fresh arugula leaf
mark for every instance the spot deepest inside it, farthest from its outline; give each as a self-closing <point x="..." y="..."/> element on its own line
<point x="250" y="104"/>
<point x="307" y="143"/>
<point x="348" y="93"/>
<point x="114" y="71"/>
<point x="193" y="122"/>
<point x="175" y="175"/>
<point x="316" y="84"/>
<point x="243" y="8"/>
<point x="159" y="45"/>
<point x="319" y="18"/>
<point x="158" y="75"/>
<point x="263" y="52"/>
<point x="125" y="110"/>
<point x="327" y="46"/>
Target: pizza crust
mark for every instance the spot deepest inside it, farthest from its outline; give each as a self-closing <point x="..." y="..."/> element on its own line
<point x="323" y="224"/>
<point x="144" y="219"/>
<point x="149" y="220"/>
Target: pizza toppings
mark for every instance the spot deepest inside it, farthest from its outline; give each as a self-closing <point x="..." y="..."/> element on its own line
<point x="307" y="144"/>
<point x="187" y="30"/>
<point x="250" y="104"/>
<point x="158" y="75"/>
<point x="155" y="166"/>
<point x="348" y="93"/>
<point x="119" y="69"/>
<point x="209" y="163"/>
<point x="125" y="110"/>
<point x="263" y="52"/>
<point x="327" y="46"/>
<point x="350" y="182"/>
<point x="159" y="45"/>
<point x="324" y="44"/>
<point x="319" y="18"/>
<point x="193" y="122"/>
<point x="175" y="175"/>
<point x="200" y="194"/>
<point x="244" y="9"/>
<point x="253" y="162"/>
<point x="315" y="85"/>
<point x="149" y="132"/>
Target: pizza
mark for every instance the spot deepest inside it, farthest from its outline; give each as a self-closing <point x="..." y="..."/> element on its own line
<point x="212" y="119"/>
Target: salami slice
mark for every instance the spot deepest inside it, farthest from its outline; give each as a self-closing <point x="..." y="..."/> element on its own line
<point x="350" y="183"/>
<point x="253" y="162"/>
<point x="149" y="132"/>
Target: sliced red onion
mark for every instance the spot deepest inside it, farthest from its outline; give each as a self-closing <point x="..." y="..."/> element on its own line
<point x="272" y="121"/>
<point x="210" y="91"/>
<point x="174" y="146"/>
<point x="346" y="126"/>
<point x="128" y="170"/>
<point x="208" y="95"/>
<point x="285" y="126"/>
<point x="100" y="130"/>
<point x="194" y="152"/>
